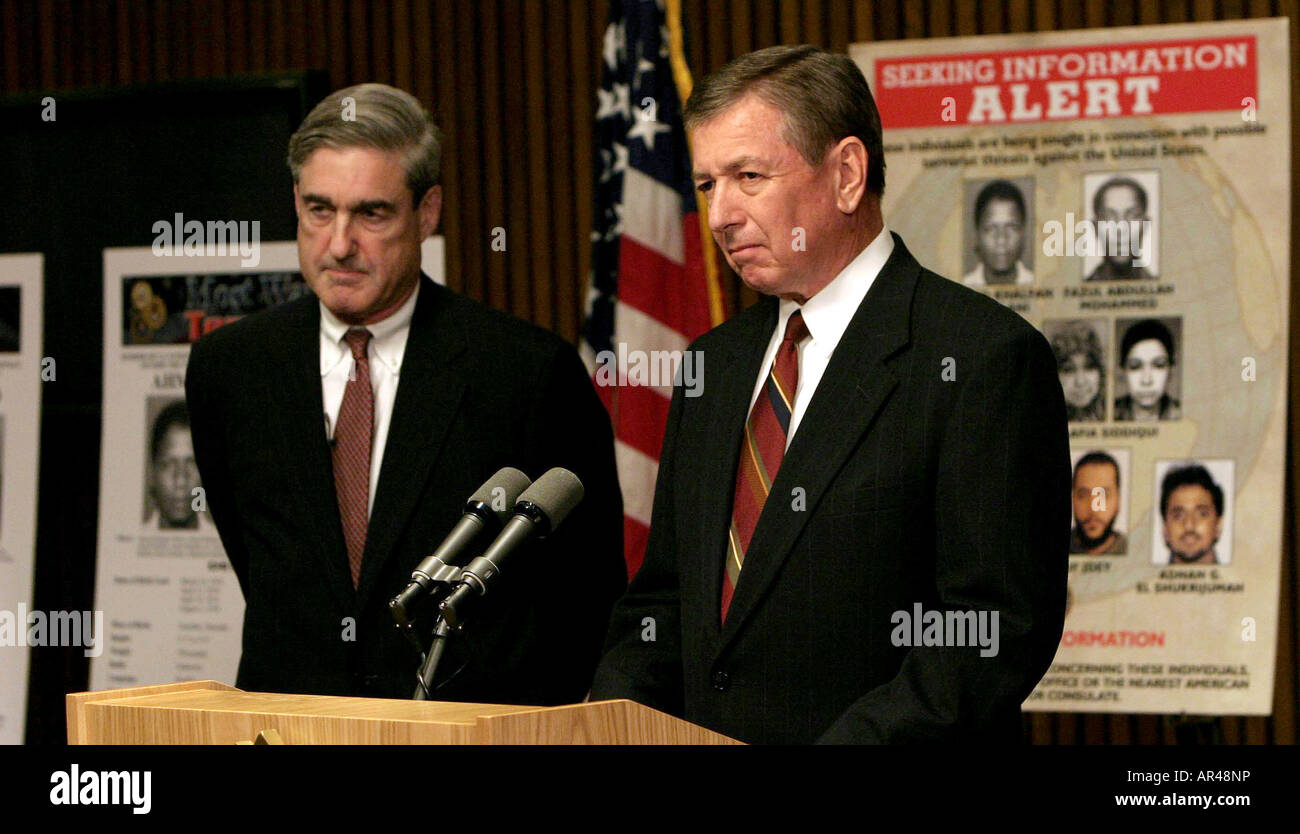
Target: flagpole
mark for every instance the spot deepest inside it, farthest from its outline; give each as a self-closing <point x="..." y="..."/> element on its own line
<point x="682" y="79"/>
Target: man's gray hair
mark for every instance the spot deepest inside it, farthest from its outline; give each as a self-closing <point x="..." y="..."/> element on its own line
<point x="824" y="97"/>
<point x="373" y="116"/>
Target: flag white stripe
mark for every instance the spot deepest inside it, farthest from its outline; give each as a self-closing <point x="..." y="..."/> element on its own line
<point x="652" y="215"/>
<point x="636" y="477"/>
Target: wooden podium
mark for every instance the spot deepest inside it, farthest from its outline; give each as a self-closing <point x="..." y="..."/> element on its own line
<point x="207" y="712"/>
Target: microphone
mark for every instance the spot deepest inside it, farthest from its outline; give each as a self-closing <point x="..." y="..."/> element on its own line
<point x="501" y="490"/>
<point x="540" y="510"/>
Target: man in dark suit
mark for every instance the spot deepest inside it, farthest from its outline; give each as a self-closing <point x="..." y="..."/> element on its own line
<point x="339" y="436"/>
<point x="883" y="448"/>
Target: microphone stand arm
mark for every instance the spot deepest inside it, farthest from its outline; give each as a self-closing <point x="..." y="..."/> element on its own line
<point x="424" y="679"/>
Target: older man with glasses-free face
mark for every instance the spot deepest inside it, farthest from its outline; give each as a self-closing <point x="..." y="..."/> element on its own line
<point x="340" y="435"/>
<point x="877" y="438"/>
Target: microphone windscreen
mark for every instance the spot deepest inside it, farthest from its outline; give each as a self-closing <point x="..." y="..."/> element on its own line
<point x="556" y="493"/>
<point x="511" y="482"/>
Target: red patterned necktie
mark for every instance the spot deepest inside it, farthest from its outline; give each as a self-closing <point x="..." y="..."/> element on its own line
<point x="353" y="436"/>
<point x="761" y="451"/>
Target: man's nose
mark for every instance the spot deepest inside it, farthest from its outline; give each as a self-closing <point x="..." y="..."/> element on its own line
<point x="724" y="210"/>
<point x="342" y="243"/>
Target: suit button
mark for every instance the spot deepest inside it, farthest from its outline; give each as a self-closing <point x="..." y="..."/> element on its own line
<point x="721" y="681"/>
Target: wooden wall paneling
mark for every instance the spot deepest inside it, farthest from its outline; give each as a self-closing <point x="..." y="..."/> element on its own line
<point x="991" y="18"/>
<point x="313" y="34"/>
<point x="237" y="34"/>
<point x="564" y="293"/>
<point x="719" y="32"/>
<point x="888" y="20"/>
<point x="864" y="20"/>
<point x="96" y="18"/>
<point x="379" y="44"/>
<point x="839" y="25"/>
<point x="48" y="49"/>
<point x="967" y="18"/>
<point x="401" y="34"/>
<point x="1094" y="13"/>
<point x="467" y="202"/>
<point x="939" y="19"/>
<point x="501" y="142"/>
<point x="9" y="34"/>
<point x="199" y="37"/>
<point x="1121" y="13"/>
<point x="813" y="27"/>
<point x="299" y="32"/>
<point x="914" y="20"/>
<point x="436" y="82"/>
<point x="1045" y="18"/>
<point x="585" y="28"/>
<point x="1019" y="16"/>
<point x="257" y="36"/>
<point x="741" y="25"/>
<point x="527" y="303"/>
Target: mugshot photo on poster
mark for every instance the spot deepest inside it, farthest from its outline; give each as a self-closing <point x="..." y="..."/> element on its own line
<point x="10" y="319"/>
<point x="998" y="232"/>
<point x="1148" y="378"/>
<point x="1123" y="208"/>
<point x="1080" y="346"/>
<point x="171" y="475"/>
<point x="1098" y="499"/>
<point x="1194" y="510"/>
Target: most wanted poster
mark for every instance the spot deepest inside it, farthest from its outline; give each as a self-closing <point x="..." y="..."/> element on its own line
<point x="22" y="372"/>
<point x="172" y="606"/>
<point x="1126" y="190"/>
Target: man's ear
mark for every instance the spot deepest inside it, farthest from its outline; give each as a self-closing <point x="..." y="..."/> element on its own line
<point x="297" y="202"/>
<point x="849" y="156"/>
<point x="430" y="211"/>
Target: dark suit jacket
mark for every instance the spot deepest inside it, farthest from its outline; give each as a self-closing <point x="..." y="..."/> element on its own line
<point x="952" y="494"/>
<point x="478" y="390"/>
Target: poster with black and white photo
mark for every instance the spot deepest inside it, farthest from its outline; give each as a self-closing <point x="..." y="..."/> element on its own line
<point x="172" y="606"/>
<point x="1127" y="191"/>
<point x="23" y="370"/>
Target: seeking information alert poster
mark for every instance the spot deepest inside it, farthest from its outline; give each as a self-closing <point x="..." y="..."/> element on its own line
<point x="1126" y="190"/>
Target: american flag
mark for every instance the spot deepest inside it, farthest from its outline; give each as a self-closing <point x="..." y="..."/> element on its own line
<point x="650" y="289"/>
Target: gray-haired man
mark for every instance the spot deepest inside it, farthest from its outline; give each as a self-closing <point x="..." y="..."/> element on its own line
<point x="339" y="436"/>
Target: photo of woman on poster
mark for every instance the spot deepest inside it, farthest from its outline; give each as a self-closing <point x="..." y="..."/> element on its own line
<point x="1147" y="361"/>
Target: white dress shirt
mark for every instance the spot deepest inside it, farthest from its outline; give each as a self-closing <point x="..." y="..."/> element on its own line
<point x="387" y="347"/>
<point x="827" y="315"/>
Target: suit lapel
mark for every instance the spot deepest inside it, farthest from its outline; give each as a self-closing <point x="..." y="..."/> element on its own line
<point x="429" y="391"/>
<point x="735" y="374"/>
<point x="856" y="384"/>
<point x="307" y="453"/>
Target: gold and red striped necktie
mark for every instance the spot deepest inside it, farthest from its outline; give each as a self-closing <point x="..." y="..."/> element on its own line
<point x="762" y="450"/>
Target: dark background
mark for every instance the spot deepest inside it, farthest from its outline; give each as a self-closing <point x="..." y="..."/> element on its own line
<point x="512" y="83"/>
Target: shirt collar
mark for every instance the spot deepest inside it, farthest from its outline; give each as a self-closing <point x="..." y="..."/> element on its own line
<point x="387" y="337"/>
<point x="828" y="313"/>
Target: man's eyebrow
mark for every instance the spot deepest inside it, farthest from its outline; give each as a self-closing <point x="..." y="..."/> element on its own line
<point x="731" y="167"/>
<point x="355" y="208"/>
<point x="372" y="205"/>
